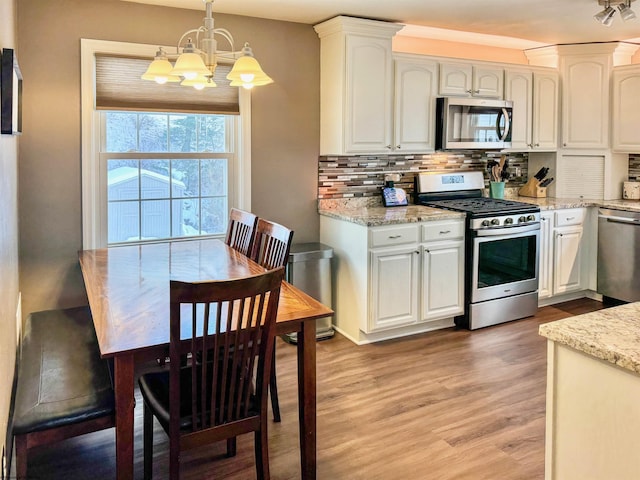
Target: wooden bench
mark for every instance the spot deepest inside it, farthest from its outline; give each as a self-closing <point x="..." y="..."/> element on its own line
<point x="64" y="387"/>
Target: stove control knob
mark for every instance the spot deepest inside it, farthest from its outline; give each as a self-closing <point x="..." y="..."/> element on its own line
<point x="485" y="223"/>
<point x="508" y="221"/>
<point x="531" y="218"/>
<point x="495" y="221"/>
<point x="522" y="219"/>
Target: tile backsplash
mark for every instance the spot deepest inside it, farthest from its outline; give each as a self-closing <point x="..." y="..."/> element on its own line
<point x="349" y="177"/>
<point x="634" y="167"/>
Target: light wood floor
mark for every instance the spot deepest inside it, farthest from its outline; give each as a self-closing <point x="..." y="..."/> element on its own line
<point x="450" y="404"/>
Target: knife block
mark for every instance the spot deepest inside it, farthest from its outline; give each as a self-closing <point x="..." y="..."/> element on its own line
<point x="533" y="189"/>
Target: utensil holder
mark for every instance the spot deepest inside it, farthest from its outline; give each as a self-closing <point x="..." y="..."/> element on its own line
<point x="496" y="189"/>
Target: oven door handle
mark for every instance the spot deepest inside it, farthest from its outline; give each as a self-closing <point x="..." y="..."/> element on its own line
<point x="504" y="231"/>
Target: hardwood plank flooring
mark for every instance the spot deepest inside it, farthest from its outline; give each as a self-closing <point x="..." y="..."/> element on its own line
<point x="449" y="404"/>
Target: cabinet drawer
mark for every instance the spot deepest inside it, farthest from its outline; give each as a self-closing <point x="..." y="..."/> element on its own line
<point x="393" y="235"/>
<point x="442" y="231"/>
<point x="573" y="216"/>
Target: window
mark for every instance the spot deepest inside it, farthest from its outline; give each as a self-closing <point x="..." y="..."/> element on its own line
<point x="151" y="175"/>
<point x="168" y="175"/>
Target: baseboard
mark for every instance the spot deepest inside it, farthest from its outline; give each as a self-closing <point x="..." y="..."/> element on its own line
<point x="8" y="450"/>
<point x="545" y="302"/>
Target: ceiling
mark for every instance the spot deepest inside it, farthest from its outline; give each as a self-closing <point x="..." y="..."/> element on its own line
<point x="546" y="22"/>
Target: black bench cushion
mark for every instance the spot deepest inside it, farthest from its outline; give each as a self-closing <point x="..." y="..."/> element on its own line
<point x="61" y="378"/>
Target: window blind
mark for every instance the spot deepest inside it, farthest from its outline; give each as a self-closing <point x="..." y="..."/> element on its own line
<point x="119" y="87"/>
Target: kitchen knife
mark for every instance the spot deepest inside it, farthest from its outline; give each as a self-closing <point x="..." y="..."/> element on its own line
<point x="540" y="175"/>
<point x="546" y="182"/>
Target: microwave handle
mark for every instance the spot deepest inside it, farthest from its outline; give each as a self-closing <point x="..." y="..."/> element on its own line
<point x="507" y="125"/>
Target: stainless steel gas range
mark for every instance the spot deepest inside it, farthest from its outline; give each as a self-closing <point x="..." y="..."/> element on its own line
<point x="502" y="245"/>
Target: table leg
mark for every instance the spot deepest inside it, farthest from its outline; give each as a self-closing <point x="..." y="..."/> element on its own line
<point x="124" y="379"/>
<point x="307" y="398"/>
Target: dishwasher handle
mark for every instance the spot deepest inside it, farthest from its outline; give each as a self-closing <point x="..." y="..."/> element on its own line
<point x="625" y="220"/>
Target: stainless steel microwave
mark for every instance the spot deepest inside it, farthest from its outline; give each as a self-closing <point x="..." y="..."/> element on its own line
<point x="473" y="123"/>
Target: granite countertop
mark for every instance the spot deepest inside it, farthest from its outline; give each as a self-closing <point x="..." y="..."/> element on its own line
<point x="611" y="334"/>
<point x="372" y="216"/>
<point x="369" y="212"/>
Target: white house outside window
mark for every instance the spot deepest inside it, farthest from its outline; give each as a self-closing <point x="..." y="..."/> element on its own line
<point x="168" y="174"/>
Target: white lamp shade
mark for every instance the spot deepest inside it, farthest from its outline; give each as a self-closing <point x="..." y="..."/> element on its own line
<point x="159" y="71"/>
<point x="247" y="71"/>
<point x="189" y="66"/>
<point x="199" y="83"/>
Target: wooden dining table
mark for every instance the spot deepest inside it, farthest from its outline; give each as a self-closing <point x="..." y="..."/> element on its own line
<point x="128" y="292"/>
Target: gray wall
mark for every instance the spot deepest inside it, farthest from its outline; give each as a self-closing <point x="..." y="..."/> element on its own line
<point x="285" y="126"/>
<point x="8" y="237"/>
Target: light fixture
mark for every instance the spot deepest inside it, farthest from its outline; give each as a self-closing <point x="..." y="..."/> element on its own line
<point x="625" y="11"/>
<point x="605" y="17"/>
<point x="196" y="64"/>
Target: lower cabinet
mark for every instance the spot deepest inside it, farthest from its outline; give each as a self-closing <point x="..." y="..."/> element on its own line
<point x="395" y="280"/>
<point x="394" y="287"/>
<point x="561" y="247"/>
<point x="442" y="293"/>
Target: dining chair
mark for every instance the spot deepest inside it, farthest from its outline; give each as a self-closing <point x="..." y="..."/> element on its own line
<point x="270" y="248"/>
<point x="233" y="322"/>
<point x="240" y="230"/>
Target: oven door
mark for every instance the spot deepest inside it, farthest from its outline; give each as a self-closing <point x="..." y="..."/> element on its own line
<point x="504" y="262"/>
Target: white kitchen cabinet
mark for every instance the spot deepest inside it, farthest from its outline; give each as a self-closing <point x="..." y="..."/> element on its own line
<point x="356" y="85"/>
<point x="546" y="92"/>
<point x="534" y="95"/>
<point x="442" y="280"/>
<point x="469" y="80"/>
<point x="561" y="252"/>
<point x="626" y="109"/>
<point x="395" y="280"/>
<point x="415" y="90"/>
<point x="585" y="100"/>
<point x="545" y="266"/>
<point x="567" y="259"/>
<point x="394" y="287"/>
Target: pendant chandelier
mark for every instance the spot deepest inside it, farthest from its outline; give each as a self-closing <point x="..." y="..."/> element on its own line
<point x="197" y="59"/>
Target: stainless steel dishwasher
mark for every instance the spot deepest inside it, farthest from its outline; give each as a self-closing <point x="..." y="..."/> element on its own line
<point x="619" y="254"/>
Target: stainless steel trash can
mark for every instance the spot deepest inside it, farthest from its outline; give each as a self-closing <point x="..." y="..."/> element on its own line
<point x="309" y="269"/>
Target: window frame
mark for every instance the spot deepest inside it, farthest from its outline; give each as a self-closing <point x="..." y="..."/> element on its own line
<point x="94" y="174"/>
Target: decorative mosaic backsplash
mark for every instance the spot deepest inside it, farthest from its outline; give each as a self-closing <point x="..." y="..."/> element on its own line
<point x="634" y="167"/>
<point x="348" y="177"/>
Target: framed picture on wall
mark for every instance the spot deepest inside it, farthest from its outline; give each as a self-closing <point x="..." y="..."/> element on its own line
<point x="10" y="94"/>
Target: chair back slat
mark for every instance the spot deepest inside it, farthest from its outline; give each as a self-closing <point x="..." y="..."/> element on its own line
<point x="231" y="325"/>
<point x="271" y="244"/>
<point x="240" y="230"/>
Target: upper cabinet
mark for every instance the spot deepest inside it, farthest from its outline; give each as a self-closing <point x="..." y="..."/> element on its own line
<point x="468" y="80"/>
<point x="356" y="86"/>
<point x="626" y="109"/>
<point x="535" y="108"/>
<point x="415" y="90"/>
<point x="585" y="100"/>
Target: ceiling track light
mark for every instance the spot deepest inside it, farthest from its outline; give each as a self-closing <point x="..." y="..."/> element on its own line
<point x="605" y="17"/>
<point x="196" y="64"/>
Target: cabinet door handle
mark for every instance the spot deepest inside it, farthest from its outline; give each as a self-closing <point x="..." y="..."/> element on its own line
<point x="395" y="236"/>
<point x="388" y="147"/>
<point x="571" y="218"/>
<point x="445" y="232"/>
<point x="398" y="147"/>
<point x="418" y="251"/>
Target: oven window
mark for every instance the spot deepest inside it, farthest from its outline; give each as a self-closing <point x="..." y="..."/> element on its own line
<point x="506" y="261"/>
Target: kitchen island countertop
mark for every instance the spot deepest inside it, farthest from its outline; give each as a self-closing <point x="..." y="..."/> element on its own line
<point x="611" y="334"/>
